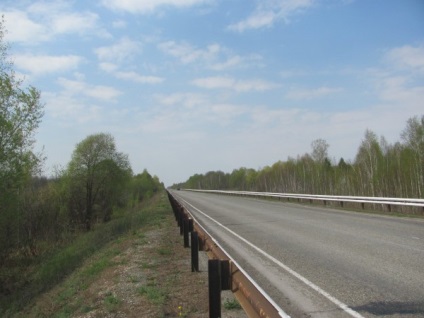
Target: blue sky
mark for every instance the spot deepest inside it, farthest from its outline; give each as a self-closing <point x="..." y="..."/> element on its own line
<point x="189" y="86"/>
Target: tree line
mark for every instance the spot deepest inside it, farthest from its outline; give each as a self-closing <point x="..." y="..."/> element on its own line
<point x="37" y="213"/>
<point x="378" y="169"/>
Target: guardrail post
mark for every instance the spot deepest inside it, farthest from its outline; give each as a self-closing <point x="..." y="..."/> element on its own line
<point x="194" y="251"/>
<point x="185" y="232"/>
<point x="181" y="220"/>
<point x="225" y="275"/>
<point x="214" y="277"/>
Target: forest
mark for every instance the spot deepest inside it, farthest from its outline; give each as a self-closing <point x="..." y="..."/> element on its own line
<point x="379" y="169"/>
<point x="41" y="216"/>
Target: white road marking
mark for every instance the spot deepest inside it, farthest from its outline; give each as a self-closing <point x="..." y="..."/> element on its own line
<point x="318" y="289"/>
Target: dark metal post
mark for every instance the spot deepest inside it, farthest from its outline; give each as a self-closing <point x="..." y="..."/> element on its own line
<point x="214" y="277"/>
<point x="194" y="251"/>
<point x="185" y="230"/>
<point x="181" y="221"/>
<point x="190" y="225"/>
<point x="225" y="275"/>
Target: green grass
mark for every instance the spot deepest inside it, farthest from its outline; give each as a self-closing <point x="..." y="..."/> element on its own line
<point x="96" y="268"/>
<point x="153" y="293"/>
<point x="164" y="251"/>
<point x="52" y="268"/>
<point x="146" y="265"/>
<point x="111" y="302"/>
<point x="231" y="304"/>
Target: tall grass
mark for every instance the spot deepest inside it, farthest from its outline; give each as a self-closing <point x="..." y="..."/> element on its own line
<point x="61" y="262"/>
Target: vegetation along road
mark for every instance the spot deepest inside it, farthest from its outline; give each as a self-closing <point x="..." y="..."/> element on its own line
<point x="321" y="260"/>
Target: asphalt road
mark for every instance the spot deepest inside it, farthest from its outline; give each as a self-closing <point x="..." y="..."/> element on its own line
<point x="318" y="262"/>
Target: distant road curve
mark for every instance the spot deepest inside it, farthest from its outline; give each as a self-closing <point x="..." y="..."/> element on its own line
<point x="317" y="262"/>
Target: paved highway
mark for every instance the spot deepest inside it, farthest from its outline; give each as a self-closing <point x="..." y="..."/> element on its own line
<point x="318" y="262"/>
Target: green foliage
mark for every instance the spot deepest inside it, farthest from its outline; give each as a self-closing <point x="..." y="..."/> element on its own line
<point x="98" y="177"/>
<point x="61" y="261"/>
<point x="20" y="114"/>
<point x="379" y="169"/>
<point x="144" y="186"/>
<point x="43" y="218"/>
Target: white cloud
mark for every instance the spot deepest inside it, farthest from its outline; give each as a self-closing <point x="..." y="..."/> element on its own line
<point x="189" y="113"/>
<point x="70" y="109"/>
<point x="148" y="6"/>
<point x="105" y="93"/>
<point x="229" y="63"/>
<point x="219" y="82"/>
<point x="188" y="100"/>
<point x="119" y="24"/>
<point x="398" y="90"/>
<point x="60" y="18"/>
<point x="399" y="86"/>
<point x="108" y="67"/>
<point x="255" y="21"/>
<point x="78" y="87"/>
<point x="135" y="77"/>
<point x="214" y="82"/>
<point x="41" y="64"/>
<point x="226" y="114"/>
<point x="123" y="49"/>
<point x="22" y="29"/>
<point x="268" y="12"/>
<point x="188" y="53"/>
<point x="74" y="22"/>
<point x="314" y="93"/>
<point x="407" y="57"/>
<point x="130" y="76"/>
<point x="42" y="21"/>
<point x="213" y="56"/>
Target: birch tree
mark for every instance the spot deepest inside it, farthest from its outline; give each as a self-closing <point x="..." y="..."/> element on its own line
<point x="413" y="135"/>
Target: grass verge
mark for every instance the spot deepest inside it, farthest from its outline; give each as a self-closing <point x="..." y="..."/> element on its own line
<point x="46" y="273"/>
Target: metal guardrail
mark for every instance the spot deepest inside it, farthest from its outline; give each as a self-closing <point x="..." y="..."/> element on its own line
<point x="324" y="198"/>
<point x="224" y="272"/>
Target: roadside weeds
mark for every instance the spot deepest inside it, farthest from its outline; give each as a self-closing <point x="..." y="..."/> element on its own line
<point x="146" y="273"/>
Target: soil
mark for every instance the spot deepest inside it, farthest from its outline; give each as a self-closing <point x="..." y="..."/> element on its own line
<point x="149" y="276"/>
